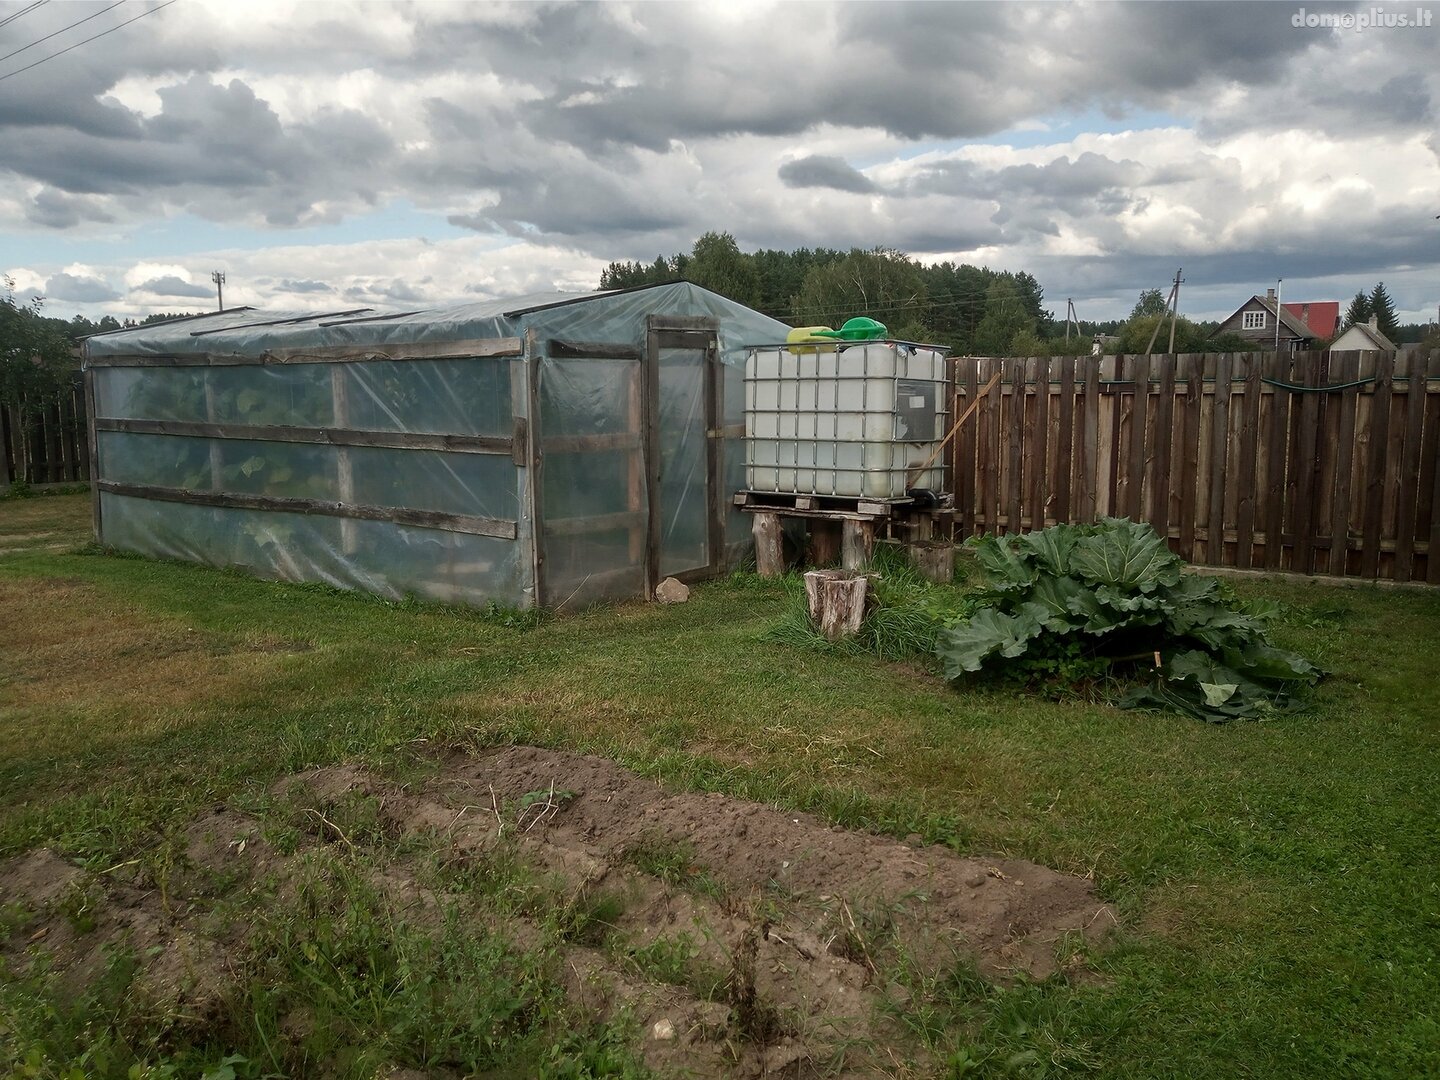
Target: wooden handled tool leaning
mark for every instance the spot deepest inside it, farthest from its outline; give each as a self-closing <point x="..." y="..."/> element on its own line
<point x="956" y="426"/>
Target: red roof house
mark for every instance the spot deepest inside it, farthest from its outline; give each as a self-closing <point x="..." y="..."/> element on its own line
<point x="1322" y="317"/>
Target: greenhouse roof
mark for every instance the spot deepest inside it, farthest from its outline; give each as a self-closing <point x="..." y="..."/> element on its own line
<point x="597" y="316"/>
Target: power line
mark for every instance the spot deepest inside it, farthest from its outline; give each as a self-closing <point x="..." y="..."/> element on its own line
<point x="900" y="306"/>
<point x="87" y="41"/>
<point x="62" y="30"/>
<point x="23" y="11"/>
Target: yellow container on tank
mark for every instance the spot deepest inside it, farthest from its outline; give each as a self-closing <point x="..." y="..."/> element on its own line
<point x="811" y="333"/>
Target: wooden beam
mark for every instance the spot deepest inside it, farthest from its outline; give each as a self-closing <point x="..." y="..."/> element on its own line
<point x="326" y="354"/>
<point x="593" y="523"/>
<point x="683" y="323"/>
<point x="536" y="470"/>
<point x="333" y="436"/>
<point x="575" y="444"/>
<point x="93" y="447"/>
<point x="396" y="515"/>
<point x="559" y="349"/>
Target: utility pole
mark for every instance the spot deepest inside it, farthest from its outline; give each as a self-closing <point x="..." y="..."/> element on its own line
<point x="219" y="279"/>
<point x="1171" y="307"/>
<point x="1174" y="310"/>
<point x="1071" y="319"/>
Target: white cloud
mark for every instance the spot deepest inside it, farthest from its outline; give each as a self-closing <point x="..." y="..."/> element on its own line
<point x="597" y="132"/>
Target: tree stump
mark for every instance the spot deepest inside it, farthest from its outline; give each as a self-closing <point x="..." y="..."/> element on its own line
<point x="769" y="545"/>
<point x="837" y="601"/>
<point x="935" y="559"/>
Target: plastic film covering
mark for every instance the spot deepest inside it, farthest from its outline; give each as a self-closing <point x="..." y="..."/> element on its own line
<point x="594" y="507"/>
<point x="603" y="316"/>
<point x="684" y="467"/>
<point x="469" y="397"/>
<point x="454" y="397"/>
<point x="592" y="500"/>
<point x="390" y="560"/>
<point x="477" y="485"/>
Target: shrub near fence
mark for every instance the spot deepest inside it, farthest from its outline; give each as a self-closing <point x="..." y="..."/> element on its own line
<point x="45" y="444"/>
<point x="1313" y="463"/>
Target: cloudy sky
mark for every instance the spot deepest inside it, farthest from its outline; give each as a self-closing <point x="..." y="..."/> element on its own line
<point x="398" y="155"/>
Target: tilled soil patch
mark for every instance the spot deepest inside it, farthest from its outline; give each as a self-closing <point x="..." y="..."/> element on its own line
<point x="739" y="939"/>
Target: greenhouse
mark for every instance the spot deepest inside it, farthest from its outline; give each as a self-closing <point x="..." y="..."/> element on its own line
<point x="548" y="450"/>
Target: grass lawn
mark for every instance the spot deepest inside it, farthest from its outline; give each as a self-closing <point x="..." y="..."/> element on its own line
<point x="1278" y="883"/>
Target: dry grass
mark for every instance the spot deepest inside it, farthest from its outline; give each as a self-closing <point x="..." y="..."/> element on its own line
<point x="51" y="519"/>
<point x="77" y="663"/>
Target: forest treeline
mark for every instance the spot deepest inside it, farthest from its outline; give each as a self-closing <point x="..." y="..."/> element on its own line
<point x="973" y="310"/>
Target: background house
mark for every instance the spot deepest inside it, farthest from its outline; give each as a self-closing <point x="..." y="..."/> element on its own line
<point x="1255" y="320"/>
<point x="1363" y="336"/>
<point x="1322" y="317"/>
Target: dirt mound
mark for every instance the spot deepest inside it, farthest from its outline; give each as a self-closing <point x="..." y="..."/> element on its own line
<point x="1004" y="915"/>
<point x="738" y="939"/>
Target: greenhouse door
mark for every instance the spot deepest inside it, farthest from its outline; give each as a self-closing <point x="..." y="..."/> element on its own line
<point x="683" y="457"/>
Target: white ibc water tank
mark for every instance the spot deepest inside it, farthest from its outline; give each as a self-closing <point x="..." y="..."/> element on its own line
<point x="853" y="421"/>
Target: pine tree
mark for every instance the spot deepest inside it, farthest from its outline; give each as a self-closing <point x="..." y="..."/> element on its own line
<point x="1359" y="310"/>
<point x="1383" y="308"/>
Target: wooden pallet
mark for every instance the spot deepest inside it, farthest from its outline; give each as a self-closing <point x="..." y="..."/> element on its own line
<point x="830" y="506"/>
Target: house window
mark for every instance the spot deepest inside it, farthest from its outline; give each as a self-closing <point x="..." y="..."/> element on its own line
<point x="1253" y="320"/>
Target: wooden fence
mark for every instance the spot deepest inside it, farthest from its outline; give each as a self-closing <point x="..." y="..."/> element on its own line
<point x="45" y="444"/>
<point x="1313" y="463"/>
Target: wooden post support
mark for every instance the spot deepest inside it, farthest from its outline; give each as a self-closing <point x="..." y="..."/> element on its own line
<point x="824" y="542"/>
<point x="857" y="542"/>
<point x="837" y="601"/>
<point x="344" y="464"/>
<point x="769" y="545"/>
<point x="935" y="559"/>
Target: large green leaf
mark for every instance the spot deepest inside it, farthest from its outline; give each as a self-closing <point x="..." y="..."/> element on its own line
<point x="1097" y="618"/>
<point x="1258" y="660"/>
<point x="1005" y="569"/>
<point x="965" y="646"/>
<point x="1049" y="602"/>
<point x="1125" y="554"/>
<point x="1200" y="610"/>
<point x="1128" y="601"/>
<point x="1051" y="548"/>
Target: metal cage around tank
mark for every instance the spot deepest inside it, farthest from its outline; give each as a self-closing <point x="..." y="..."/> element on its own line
<point x="857" y="420"/>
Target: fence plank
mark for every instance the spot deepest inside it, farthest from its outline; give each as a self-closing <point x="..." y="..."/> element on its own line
<point x="1219" y="445"/>
<point x="1344" y="368"/>
<point x="1065" y="455"/>
<point x="1428" y="508"/>
<point x="1039" y="453"/>
<point x="963" y="451"/>
<point x="1015" y="377"/>
<point x="1247" y="435"/>
<point x="1432" y="551"/>
<point x="1304" y="523"/>
<point x="1409" y="480"/>
<point x="1160" y="480"/>
<point x="1137" y="451"/>
<point x="1187" y="454"/>
<point x="1277" y="449"/>
<point x="1377" y="449"/>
